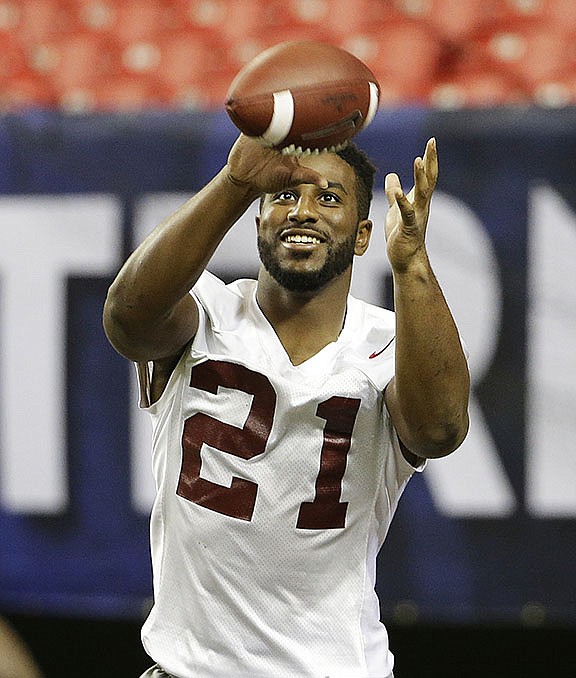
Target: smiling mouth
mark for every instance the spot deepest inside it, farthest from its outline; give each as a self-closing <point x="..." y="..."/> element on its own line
<point x="300" y="237"/>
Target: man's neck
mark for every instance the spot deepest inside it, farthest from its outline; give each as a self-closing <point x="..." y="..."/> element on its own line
<point x="304" y="322"/>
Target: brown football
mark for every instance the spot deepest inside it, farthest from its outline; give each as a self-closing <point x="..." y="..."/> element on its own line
<point x="306" y="95"/>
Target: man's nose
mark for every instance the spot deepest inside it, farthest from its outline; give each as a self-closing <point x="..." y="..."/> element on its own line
<point x="304" y="210"/>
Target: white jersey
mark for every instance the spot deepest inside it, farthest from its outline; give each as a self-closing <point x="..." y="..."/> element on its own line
<point x="276" y="487"/>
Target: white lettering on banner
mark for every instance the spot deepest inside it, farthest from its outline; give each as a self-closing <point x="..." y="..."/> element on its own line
<point x="464" y="262"/>
<point x="551" y="362"/>
<point x="42" y="241"/>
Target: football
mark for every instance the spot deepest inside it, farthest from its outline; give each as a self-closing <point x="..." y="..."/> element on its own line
<point x="303" y="95"/>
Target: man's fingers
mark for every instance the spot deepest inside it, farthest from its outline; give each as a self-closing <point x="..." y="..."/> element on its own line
<point x="396" y="196"/>
<point x="306" y="176"/>
<point x="392" y="187"/>
<point x="431" y="162"/>
<point x="421" y="183"/>
<point x="406" y="210"/>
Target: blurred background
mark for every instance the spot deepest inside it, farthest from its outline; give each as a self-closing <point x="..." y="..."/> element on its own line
<point x="85" y="55"/>
<point x="111" y="115"/>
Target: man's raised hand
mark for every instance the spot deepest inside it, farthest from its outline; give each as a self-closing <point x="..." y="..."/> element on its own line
<point x="407" y="216"/>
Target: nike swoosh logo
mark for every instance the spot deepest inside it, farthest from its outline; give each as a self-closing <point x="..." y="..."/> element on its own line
<point x="377" y="353"/>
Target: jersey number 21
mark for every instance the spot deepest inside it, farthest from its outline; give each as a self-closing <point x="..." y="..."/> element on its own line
<point x="326" y="511"/>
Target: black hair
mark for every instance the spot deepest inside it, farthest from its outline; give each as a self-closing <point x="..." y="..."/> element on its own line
<point x="364" y="170"/>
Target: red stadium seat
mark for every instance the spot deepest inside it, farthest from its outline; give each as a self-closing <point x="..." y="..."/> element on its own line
<point x="10" y="17"/>
<point x="136" y="20"/>
<point x="334" y="20"/>
<point x="403" y="55"/>
<point x="26" y="91"/>
<point x="533" y="54"/>
<point x="186" y="57"/>
<point x="207" y="95"/>
<point x="72" y="60"/>
<point x="234" y="21"/>
<point x="562" y="12"/>
<point x="188" y="65"/>
<point x="125" y="93"/>
<point x="477" y="90"/>
<point x="12" y="57"/>
<point x="326" y="20"/>
<point x="94" y="15"/>
<point x="557" y="92"/>
<point x="41" y="19"/>
<point x="452" y="20"/>
<point x="518" y="14"/>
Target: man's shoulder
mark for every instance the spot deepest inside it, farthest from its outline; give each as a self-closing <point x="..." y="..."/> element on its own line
<point x="209" y="282"/>
<point x="371" y="316"/>
<point x="368" y="338"/>
<point x="212" y="290"/>
<point x="224" y="305"/>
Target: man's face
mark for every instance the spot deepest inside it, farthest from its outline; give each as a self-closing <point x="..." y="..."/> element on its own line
<point x="307" y="235"/>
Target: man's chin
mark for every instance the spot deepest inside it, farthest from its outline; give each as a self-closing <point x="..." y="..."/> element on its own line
<point x="302" y="275"/>
<point x="293" y="281"/>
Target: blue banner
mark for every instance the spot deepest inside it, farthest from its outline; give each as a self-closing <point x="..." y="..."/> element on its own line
<point x="485" y="534"/>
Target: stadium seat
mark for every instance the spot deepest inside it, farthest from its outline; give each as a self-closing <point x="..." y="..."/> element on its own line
<point x="94" y="15"/>
<point x="207" y="95"/>
<point x="10" y="16"/>
<point x="26" y="91"/>
<point x="12" y="57"/>
<point x="72" y="60"/>
<point x="519" y="13"/>
<point x="187" y="56"/>
<point x="557" y="92"/>
<point x="333" y="20"/>
<point x="452" y="20"/>
<point x="533" y="54"/>
<point x="126" y="93"/>
<point x="137" y="20"/>
<point x="476" y="90"/>
<point x="562" y="12"/>
<point x="234" y="21"/>
<point x="403" y="55"/>
<point x="41" y="19"/>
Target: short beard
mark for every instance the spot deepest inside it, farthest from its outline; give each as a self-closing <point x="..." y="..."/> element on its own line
<point x="338" y="259"/>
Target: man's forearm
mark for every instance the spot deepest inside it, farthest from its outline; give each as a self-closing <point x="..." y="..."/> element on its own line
<point x="431" y="380"/>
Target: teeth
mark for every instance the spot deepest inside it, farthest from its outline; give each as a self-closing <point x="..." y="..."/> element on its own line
<point x="307" y="239"/>
<point x="299" y="151"/>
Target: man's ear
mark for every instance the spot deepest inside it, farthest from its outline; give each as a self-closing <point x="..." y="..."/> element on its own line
<point x="363" y="234"/>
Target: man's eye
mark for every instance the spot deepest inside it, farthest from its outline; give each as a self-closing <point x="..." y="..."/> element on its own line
<point x="329" y="197"/>
<point x="285" y="195"/>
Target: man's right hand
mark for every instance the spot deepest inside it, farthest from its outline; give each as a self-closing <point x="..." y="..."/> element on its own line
<point x="267" y="170"/>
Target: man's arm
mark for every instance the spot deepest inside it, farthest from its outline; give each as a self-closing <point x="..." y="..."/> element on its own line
<point x="428" y="396"/>
<point x="148" y="313"/>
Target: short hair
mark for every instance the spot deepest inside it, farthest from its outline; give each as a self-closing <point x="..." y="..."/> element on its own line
<point x="364" y="170"/>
